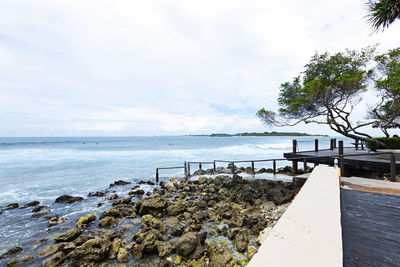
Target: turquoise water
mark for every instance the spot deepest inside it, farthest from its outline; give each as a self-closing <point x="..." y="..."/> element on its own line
<point x="44" y="168"/>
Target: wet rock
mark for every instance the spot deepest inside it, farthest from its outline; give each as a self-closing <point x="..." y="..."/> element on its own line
<point x="112" y="197"/>
<point x="251" y="250"/>
<point x="149" y="243"/>
<point x="119" y="212"/>
<point x="137" y="193"/>
<point x="236" y="179"/>
<point x="19" y="261"/>
<point x="115" y="246"/>
<point x="147" y="182"/>
<point x="82" y="239"/>
<point x="12" y="206"/>
<point x="165" y="248"/>
<point x="149" y="222"/>
<point x="176" y="209"/>
<point x="100" y="204"/>
<point x="187" y="243"/>
<point x="40" y="213"/>
<point x="199" y="172"/>
<point x="70" y="235"/>
<point x="280" y="194"/>
<point x="90" y="253"/>
<point x="123" y="255"/>
<point x="38" y="208"/>
<point x="165" y="263"/>
<point x="248" y="194"/>
<point x="119" y="182"/>
<point x="202" y="180"/>
<point x="86" y="219"/>
<point x="232" y="233"/>
<point x="65" y="247"/>
<point x="68" y="199"/>
<point x="241" y="240"/>
<point x="109" y="221"/>
<point x="219" y="256"/>
<point x="55" y="220"/>
<point x="196" y="263"/>
<point x="116" y="234"/>
<point x="153" y="206"/>
<point x="11" y="252"/>
<point x="96" y="194"/>
<point x="124" y="200"/>
<point x="55" y="260"/>
<point x="177" y="230"/>
<point x="31" y="204"/>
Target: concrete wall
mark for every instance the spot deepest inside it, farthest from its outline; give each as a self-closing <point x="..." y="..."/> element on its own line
<point x="309" y="233"/>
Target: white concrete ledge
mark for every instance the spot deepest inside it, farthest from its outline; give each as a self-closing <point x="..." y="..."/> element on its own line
<point x="309" y="233"/>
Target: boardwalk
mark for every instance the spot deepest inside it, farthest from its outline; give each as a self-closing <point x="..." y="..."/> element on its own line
<point x="366" y="162"/>
<point x="370" y="228"/>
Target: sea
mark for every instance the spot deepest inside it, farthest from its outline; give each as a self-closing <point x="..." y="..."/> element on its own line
<point x="43" y="168"/>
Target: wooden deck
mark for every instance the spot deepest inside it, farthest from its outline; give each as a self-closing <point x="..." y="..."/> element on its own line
<point x="366" y="162"/>
<point x="370" y="228"/>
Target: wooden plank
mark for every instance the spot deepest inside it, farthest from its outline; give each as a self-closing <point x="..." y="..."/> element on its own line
<point x="370" y="228"/>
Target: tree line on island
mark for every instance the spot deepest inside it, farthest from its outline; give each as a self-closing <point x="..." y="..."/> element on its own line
<point x="264" y="134"/>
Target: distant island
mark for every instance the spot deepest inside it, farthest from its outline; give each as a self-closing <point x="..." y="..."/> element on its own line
<point x="261" y="134"/>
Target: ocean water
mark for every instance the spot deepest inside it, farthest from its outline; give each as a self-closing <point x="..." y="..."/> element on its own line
<point x="43" y="168"/>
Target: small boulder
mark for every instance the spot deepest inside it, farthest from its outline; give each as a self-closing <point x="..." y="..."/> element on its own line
<point x="90" y="253"/>
<point x="112" y="197"/>
<point x="165" y="248"/>
<point x="219" y="256"/>
<point x="55" y="260"/>
<point x="68" y="199"/>
<point x="12" y="206"/>
<point x="149" y="222"/>
<point x="124" y="200"/>
<point x="19" y="261"/>
<point x="119" y="182"/>
<point x="115" y="246"/>
<point x="109" y="221"/>
<point x="70" y="235"/>
<point x="38" y="208"/>
<point x="123" y="255"/>
<point x="88" y="218"/>
<point x="40" y="213"/>
<point x="55" y="220"/>
<point x="96" y="194"/>
<point x="31" y="204"/>
<point x="241" y="240"/>
<point x="11" y="252"/>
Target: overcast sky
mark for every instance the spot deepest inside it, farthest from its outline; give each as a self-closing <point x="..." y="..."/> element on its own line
<point x="76" y="68"/>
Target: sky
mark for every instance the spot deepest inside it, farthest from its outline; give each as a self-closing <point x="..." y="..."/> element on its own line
<point x="123" y="68"/>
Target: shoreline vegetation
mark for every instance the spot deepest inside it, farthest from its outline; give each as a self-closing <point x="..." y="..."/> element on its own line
<point x="212" y="221"/>
<point x="273" y="133"/>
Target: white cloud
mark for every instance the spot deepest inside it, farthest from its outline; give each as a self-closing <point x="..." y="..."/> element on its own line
<point x="156" y="67"/>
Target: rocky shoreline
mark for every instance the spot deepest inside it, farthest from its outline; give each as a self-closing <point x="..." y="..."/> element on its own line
<point x="218" y="221"/>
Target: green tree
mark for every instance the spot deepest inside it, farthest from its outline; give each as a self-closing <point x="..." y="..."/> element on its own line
<point x="326" y="92"/>
<point x="383" y="13"/>
<point x="387" y="82"/>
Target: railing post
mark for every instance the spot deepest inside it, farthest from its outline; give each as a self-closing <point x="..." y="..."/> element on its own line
<point x="341" y="159"/>
<point x="185" y="170"/>
<point x="331" y="147"/>
<point x="215" y="168"/>
<point x="188" y="168"/>
<point x="200" y="166"/>
<point x="274" y="166"/>
<point x="362" y="145"/>
<point x="356" y="144"/>
<point x="252" y="166"/>
<point x="294" y="162"/>
<point x="334" y="143"/>
<point x="157" y="175"/>
<point x="316" y="145"/>
<point x="392" y="168"/>
<point x="305" y="165"/>
<point x="233" y="168"/>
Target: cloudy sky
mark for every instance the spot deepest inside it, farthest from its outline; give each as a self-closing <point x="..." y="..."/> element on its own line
<point x="76" y="68"/>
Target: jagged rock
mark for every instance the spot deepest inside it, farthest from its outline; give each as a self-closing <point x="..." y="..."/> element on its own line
<point x="165" y="248"/>
<point x="109" y="221"/>
<point x="70" y="235"/>
<point x="280" y="194"/>
<point x="165" y="263"/>
<point x="96" y="194"/>
<point x="112" y="197"/>
<point x="236" y="179"/>
<point x="68" y="199"/>
<point x="55" y="220"/>
<point x="251" y="250"/>
<point x="55" y="260"/>
<point x="232" y="233"/>
<point x="86" y="219"/>
<point x="202" y="180"/>
<point x="11" y="252"/>
<point x="149" y="243"/>
<point x="38" y="208"/>
<point x="241" y="240"/>
<point x="219" y="256"/>
<point x="12" y="206"/>
<point x="123" y="255"/>
<point x="153" y="206"/>
<point x="176" y="209"/>
<point x="82" y="239"/>
<point x="187" y="243"/>
<point x="119" y="212"/>
<point x="40" y="213"/>
<point x="115" y="246"/>
<point x="90" y="253"/>
<point x="124" y="200"/>
<point x="137" y="193"/>
<point x="119" y="182"/>
<point x="196" y="263"/>
<point x="149" y="222"/>
<point x="63" y="247"/>
<point x="19" y="261"/>
<point x="31" y="204"/>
